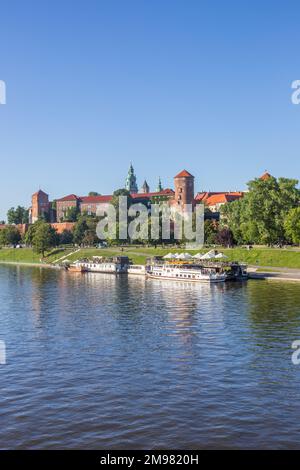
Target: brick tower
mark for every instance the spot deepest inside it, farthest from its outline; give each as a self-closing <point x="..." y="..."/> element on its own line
<point x="184" y="188"/>
<point x="40" y="206"/>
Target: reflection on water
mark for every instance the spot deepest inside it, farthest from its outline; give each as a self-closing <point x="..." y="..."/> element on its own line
<point x="98" y="361"/>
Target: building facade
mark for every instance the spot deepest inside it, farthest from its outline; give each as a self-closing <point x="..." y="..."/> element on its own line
<point x="40" y="206"/>
<point x="182" y="195"/>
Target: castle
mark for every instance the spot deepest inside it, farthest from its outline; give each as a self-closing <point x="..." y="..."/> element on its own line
<point x="183" y="193"/>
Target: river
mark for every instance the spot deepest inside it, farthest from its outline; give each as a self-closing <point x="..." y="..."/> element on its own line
<point x="95" y="361"/>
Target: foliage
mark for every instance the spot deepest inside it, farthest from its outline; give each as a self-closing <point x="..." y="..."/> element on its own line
<point x="20" y="215"/>
<point x="66" y="237"/>
<point x="225" y="237"/>
<point x="44" y="237"/>
<point x="28" y="237"/>
<point x="292" y="225"/>
<point x="9" y="236"/>
<point x="71" y="214"/>
<point x="259" y="217"/>
<point x="93" y="193"/>
<point x="210" y="232"/>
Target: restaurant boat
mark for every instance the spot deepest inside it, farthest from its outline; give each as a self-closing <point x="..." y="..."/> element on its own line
<point x="74" y="268"/>
<point x="188" y="272"/>
<point x="98" y="264"/>
<point x="138" y="269"/>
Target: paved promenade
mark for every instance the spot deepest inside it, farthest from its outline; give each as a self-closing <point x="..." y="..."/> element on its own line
<point x="274" y="274"/>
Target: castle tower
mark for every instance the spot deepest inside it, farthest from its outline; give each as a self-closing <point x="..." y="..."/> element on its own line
<point x="145" y="188"/>
<point x="130" y="184"/>
<point x="40" y="206"/>
<point x="159" y="186"/>
<point x="184" y="188"/>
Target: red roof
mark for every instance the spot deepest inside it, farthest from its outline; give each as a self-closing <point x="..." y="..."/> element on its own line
<point x="39" y="192"/>
<point x="70" y="197"/>
<point x="184" y="174"/>
<point x="95" y="199"/>
<point x="210" y="199"/>
<point x="265" y="176"/>
<point x="164" y="192"/>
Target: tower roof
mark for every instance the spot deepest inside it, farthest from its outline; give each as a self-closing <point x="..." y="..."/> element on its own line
<point x="130" y="183"/>
<point x="70" y="197"/>
<point x="265" y="176"/>
<point x="37" y="193"/>
<point x="184" y="174"/>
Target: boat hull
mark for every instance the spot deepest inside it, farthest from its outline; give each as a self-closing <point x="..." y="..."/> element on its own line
<point x="208" y="280"/>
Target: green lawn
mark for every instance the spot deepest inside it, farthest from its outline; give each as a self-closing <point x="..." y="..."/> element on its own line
<point x="272" y="257"/>
<point x="20" y="255"/>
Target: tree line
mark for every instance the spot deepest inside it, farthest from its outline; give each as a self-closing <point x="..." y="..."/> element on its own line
<point x="268" y="214"/>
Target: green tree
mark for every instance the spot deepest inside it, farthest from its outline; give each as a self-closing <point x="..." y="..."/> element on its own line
<point x="93" y="193"/>
<point x="292" y="225"/>
<point x="44" y="237"/>
<point x="225" y="237"/>
<point x="79" y="230"/>
<point x="10" y="236"/>
<point x="71" y="214"/>
<point x="210" y="231"/>
<point x="19" y="215"/>
<point x="259" y="217"/>
<point x="28" y="237"/>
<point x="66" y="237"/>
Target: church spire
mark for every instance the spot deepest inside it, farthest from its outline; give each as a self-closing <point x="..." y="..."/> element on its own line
<point x="159" y="186"/>
<point x="145" y="188"/>
<point x="130" y="184"/>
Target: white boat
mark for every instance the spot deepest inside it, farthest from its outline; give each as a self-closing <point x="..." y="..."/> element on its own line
<point x="113" y="268"/>
<point x="136" y="269"/>
<point x="117" y="265"/>
<point x="190" y="273"/>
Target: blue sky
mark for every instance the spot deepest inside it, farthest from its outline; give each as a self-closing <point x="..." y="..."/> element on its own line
<point x="166" y="84"/>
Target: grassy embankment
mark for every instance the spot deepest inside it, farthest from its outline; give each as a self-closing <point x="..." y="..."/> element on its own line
<point x="272" y="257"/>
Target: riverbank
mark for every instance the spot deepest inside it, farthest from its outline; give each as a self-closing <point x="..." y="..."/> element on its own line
<point x="264" y="263"/>
<point x="258" y="257"/>
<point x="268" y="273"/>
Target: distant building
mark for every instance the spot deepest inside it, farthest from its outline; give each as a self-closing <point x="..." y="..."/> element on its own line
<point x="159" y="186"/>
<point x="40" y="206"/>
<point x="85" y="204"/>
<point x="64" y="204"/>
<point x="184" y="190"/>
<point x="145" y="188"/>
<point x="182" y="195"/>
<point x="130" y="183"/>
<point x="214" y="201"/>
<point x="265" y="176"/>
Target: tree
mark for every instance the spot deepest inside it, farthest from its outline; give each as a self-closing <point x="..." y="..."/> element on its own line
<point x="79" y="230"/>
<point x="93" y="193"/>
<point x="292" y="225"/>
<point x="90" y="238"/>
<point x="71" y="214"/>
<point x="117" y="194"/>
<point x="9" y="236"/>
<point x="28" y="237"/>
<point x="210" y="232"/>
<point x="225" y="237"/>
<point x="20" y="215"/>
<point x="44" y="238"/>
<point x="66" y="237"/>
<point x="259" y="217"/>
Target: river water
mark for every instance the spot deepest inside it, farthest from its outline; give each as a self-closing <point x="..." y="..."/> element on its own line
<point x="95" y="361"/>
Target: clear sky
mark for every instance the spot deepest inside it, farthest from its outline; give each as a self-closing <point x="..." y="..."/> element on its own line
<point x="166" y="84"/>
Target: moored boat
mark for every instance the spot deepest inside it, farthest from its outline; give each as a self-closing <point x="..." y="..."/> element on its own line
<point x="75" y="268"/>
<point x="190" y="273"/>
<point x="115" y="265"/>
<point x="138" y="269"/>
